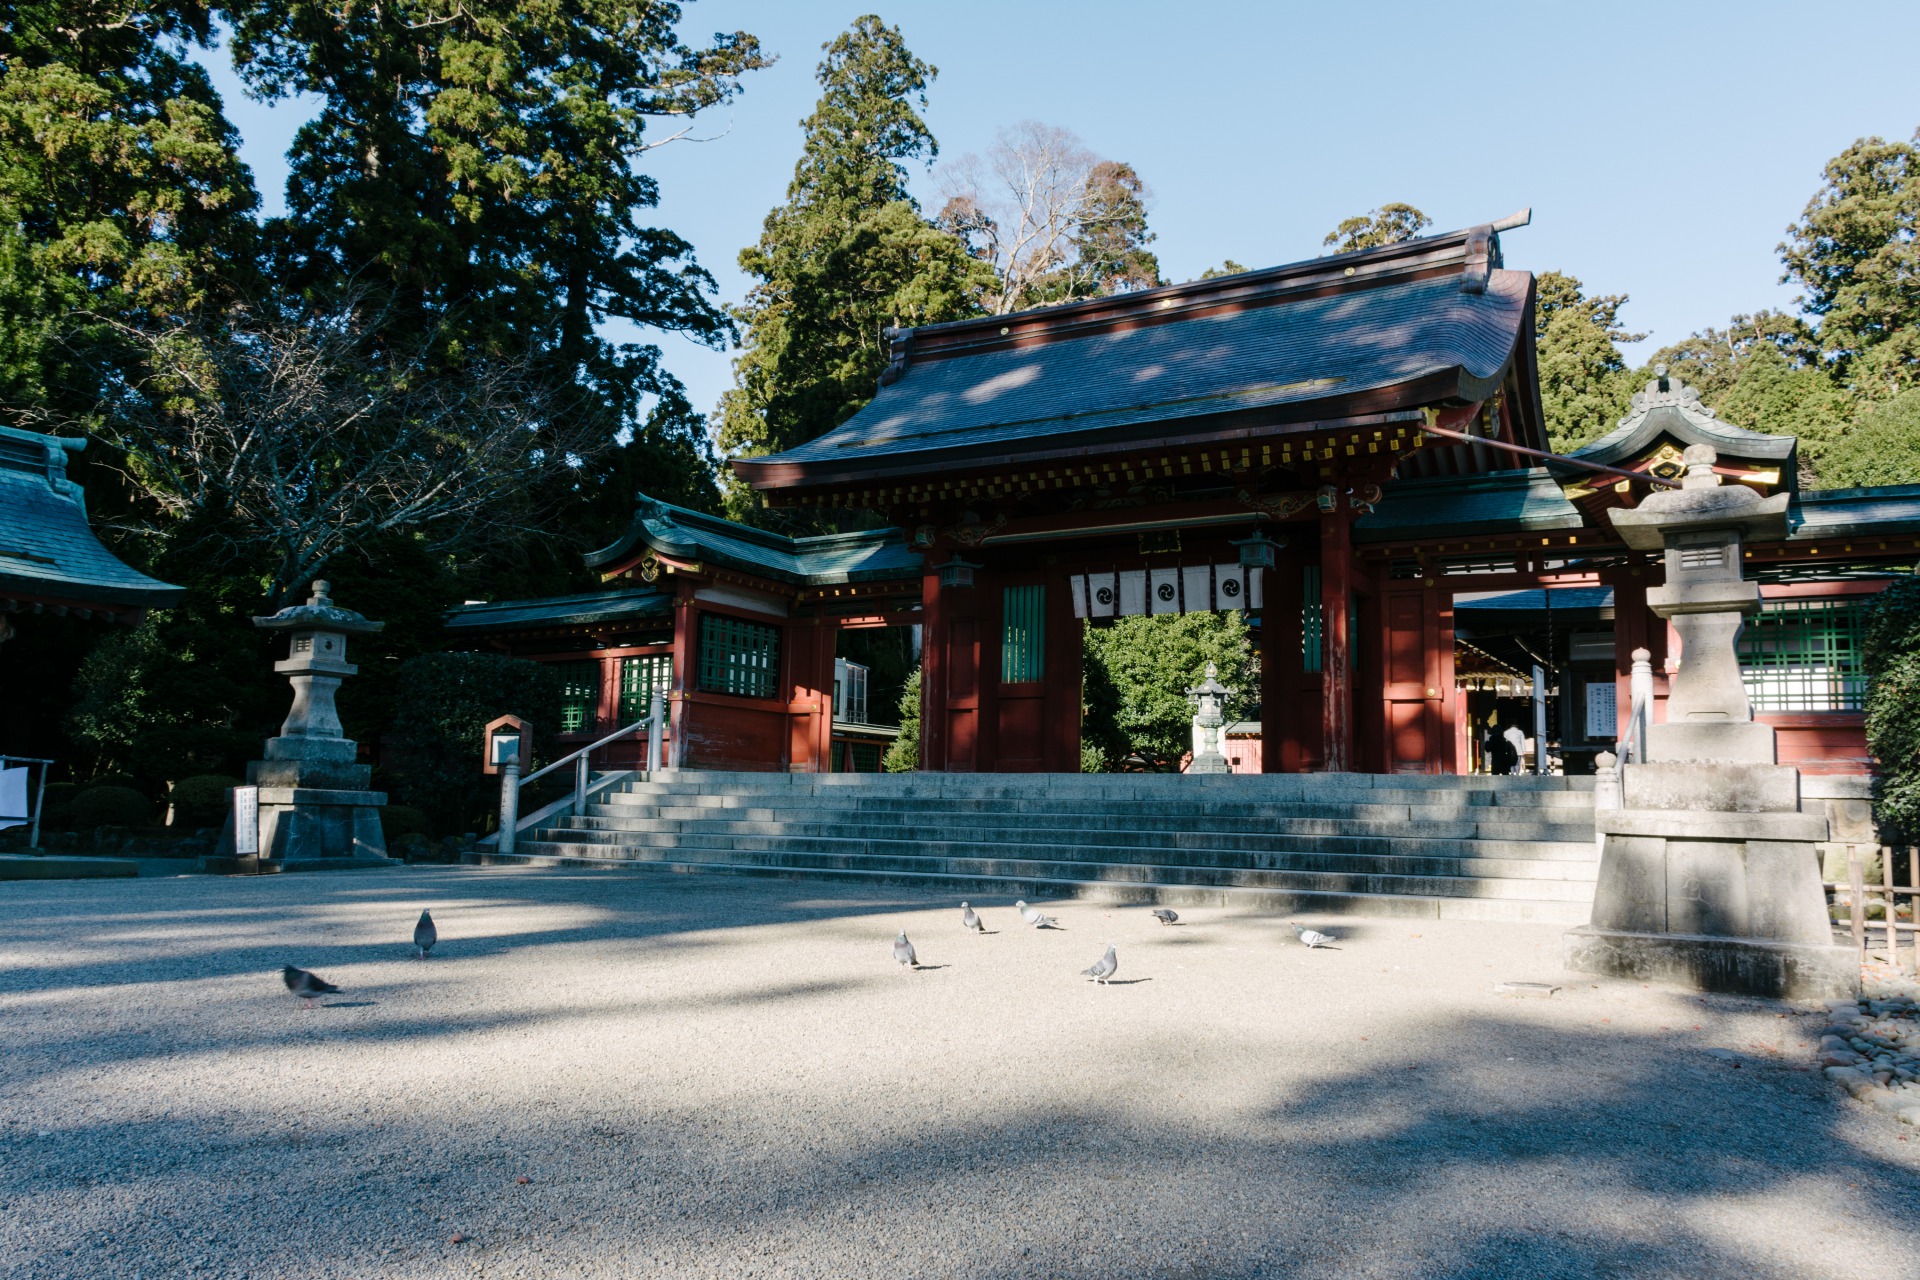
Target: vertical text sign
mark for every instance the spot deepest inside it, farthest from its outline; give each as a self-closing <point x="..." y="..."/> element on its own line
<point x="246" y="821"/>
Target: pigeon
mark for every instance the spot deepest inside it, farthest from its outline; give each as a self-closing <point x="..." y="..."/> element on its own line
<point x="1311" y="937"/>
<point x="308" y="986"/>
<point x="1105" y="968"/>
<point x="1165" y="916"/>
<point x="970" y="919"/>
<point x="424" y="935"/>
<point x="903" y="952"/>
<point x="1034" y="918"/>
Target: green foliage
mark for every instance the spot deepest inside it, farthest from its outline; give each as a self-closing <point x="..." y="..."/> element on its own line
<point x="1882" y="446"/>
<point x="1150" y="663"/>
<point x="1584" y="382"/>
<point x="1856" y="252"/>
<point x="109" y="807"/>
<point x="1227" y="268"/>
<point x="441" y="703"/>
<point x="1389" y="224"/>
<point x="398" y="821"/>
<point x="56" y="806"/>
<point x="1092" y="758"/>
<point x="201" y="800"/>
<point x="903" y="755"/>
<point x="1110" y="253"/>
<point x="1890" y="654"/>
<point x="847" y="257"/>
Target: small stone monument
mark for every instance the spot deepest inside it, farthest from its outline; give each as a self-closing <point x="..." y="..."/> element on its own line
<point x="1709" y="875"/>
<point x="1209" y="698"/>
<point x="316" y="813"/>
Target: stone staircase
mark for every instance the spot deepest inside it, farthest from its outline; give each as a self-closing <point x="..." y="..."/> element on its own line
<point x="1509" y="848"/>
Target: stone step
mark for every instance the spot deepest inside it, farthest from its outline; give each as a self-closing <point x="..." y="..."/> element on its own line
<point x="1434" y="840"/>
<point x="1544" y="881"/>
<point x="1075" y="810"/>
<point x="1057" y="789"/>
<point x="994" y="891"/>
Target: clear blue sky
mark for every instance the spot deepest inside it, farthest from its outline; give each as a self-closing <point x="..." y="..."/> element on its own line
<point x="1663" y="147"/>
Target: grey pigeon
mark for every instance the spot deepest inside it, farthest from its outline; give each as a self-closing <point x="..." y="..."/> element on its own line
<point x="970" y="919"/>
<point x="1105" y="969"/>
<point x="424" y="935"/>
<point x="1165" y="916"/>
<point x="308" y="986"/>
<point x="1312" y="937"/>
<point x="903" y="952"/>
<point x="1034" y="918"/>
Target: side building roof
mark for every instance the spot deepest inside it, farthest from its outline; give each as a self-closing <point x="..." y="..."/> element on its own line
<point x="1449" y="506"/>
<point x="48" y="553"/>
<point x="623" y="605"/>
<point x="828" y="560"/>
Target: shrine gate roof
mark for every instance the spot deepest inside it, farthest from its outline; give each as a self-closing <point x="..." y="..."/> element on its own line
<point x="1380" y="330"/>
<point x="826" y="560"/>
<point x="48" y="553"/>
<point x="622" y="605"/>
<point x="1497" y="502"/>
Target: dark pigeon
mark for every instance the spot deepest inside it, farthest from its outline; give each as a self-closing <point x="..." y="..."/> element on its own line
<point x="1165" y="916"/>
<point x="424" y="935"/>
<point x="1105" y="968"/>
<point x="308" y="986"/>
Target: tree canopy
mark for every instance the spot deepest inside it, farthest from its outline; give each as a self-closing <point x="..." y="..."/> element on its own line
<point x="1389" y="224"/>
<point x="1584" y="382"/>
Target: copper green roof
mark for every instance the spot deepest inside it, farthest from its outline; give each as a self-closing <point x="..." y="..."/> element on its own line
<point x="48" y="554"/>
<point x="829" y="560"/>
<point x="1449" y="506"/>
<point x="622" y="605"/>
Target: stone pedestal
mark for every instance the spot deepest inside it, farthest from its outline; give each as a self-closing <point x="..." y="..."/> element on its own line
<point x="1709" y="871"/>
<point x="1209" y="698"/>
<point x="316" y="813"/>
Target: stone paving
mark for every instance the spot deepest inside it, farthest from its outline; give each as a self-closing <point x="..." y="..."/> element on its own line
<point x="632" y="1075"/>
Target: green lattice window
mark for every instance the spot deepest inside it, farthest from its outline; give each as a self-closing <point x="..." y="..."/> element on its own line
<point x="1804" y="655"/>
<point x="579" y="694"/>
<point x="1310" y="618"/>
<point x="864" y="756"/>
<point x="640" y="679"/>
<point x="739" y="657"/>
<point x="1023" y="634"/>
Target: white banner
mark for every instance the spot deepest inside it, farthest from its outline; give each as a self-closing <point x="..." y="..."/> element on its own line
<point x="13" y="798"/>
<point x="1197" y="588"/>
<point x="1163" y="591"/>
<point x="1133" y="592"/>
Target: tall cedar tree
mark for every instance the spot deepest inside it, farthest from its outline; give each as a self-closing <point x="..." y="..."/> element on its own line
<point x="478" y="168"/>
<point x="1856" y="252"/>
<point x="121" y="196"/>
<point x="1389" y="224"/>
<point x="846" y="258"/>
<point x="1585" y="385"/>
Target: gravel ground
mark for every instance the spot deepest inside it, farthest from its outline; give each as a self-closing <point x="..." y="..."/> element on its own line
<point x="622" y="1075"/>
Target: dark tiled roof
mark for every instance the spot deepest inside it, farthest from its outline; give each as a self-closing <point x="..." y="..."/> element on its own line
<point x="598" y="606"/>
<point x="829" y="560"/>
<point x="1841" y="513"/>
<point x="1280" y="341"/>
<point x="1498" y="502"/>
<point x="46" y="548"/>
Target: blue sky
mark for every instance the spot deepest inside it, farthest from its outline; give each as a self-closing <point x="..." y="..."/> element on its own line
<point x="1662" y="148"/>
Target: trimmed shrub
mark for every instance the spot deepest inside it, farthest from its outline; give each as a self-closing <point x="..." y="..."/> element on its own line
<point x="1890" y="652"/>
<point x="57" y="808"/>
<point x="443" y="700"/>
<point x="126" y="780"/>
<point x="110" y="807"/>
<point x="201" y="801"/>
<point x="399" y="820"/>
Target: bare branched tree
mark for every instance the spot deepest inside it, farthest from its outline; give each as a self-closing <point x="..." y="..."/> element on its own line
<point x="1023" y="207"/>
<point x="290" y="438"/>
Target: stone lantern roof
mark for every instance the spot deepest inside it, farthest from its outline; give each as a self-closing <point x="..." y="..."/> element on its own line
<point x="319" y="613"/>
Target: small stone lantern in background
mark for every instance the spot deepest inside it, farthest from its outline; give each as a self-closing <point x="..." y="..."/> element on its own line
<point x="1209" y="698"/>
<point x="316" y="812"/>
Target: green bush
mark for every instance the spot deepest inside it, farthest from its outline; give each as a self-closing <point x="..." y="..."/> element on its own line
<point x="1138" y="671"/>
<point x="126" y="780"/>
<point x="106" y="806"/>
<point x="1890" y="653"/>
<point x="443" y="702"/>
<point x="399" y="820"/>
<point x="201" y="801"/>
<point x="56" y="813"/>
<point x="903" y="754"/>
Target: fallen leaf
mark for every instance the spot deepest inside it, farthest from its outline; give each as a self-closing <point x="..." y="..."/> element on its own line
<point x="456" y="1238"/>
<point x="523" y="1179"/>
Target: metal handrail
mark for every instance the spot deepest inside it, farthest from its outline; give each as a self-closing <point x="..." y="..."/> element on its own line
<point x="615" y="736"/>
<point x="511" y="782"/>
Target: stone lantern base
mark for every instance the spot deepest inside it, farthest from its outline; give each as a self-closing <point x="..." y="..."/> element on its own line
<point x="315" y="812"/>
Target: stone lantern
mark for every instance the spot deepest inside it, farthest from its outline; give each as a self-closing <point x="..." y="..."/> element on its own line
<point x="1709" y="872"/>
<point x="316" y="812"/>
<point x="1209" y="698"/>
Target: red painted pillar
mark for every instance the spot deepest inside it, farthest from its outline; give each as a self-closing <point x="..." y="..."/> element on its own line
<point x="1062" y="676"/>
<point x="934" y="626"/>
<point x="686" y="625"/>
<point x="1446" y="737"/>
<point x="1336" y="657"/>
<point x="1284" y="697"/>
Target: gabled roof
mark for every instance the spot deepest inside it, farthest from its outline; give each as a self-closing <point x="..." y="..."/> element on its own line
<point x="828" y="560"/>
<point x="1669" y="407"/>
<point x="1855" y="513"/>
<point x="1448" y="506"/>
<point x="623" y="605"/>
<point x="47" y="551"/>
<point x="1418" y="323"/>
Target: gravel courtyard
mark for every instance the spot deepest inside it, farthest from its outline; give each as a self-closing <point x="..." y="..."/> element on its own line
<point x="616" y="1075"/>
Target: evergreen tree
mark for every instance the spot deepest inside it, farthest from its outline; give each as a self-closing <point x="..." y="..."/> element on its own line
<point x="1389" y="224"/>
<point x="1138" y="671"/>
<point x="1584" y="383"/>
<point x="1109" y="242"/>
<point x="846" y="258"/>
<point x="1880" y="446"/>
<point x="1856" y="252"/>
